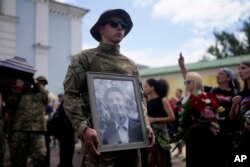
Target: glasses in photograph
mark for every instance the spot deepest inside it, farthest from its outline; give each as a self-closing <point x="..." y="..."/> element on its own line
<point x="188" y="82"/>
<point x="116" y="23"/>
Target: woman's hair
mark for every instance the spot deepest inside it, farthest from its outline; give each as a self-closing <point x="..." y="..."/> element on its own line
<point x="161" y="86"/>
<point x="233" y="83"/>
<point x="196" y="78"/>
<point x="246" y="63"/>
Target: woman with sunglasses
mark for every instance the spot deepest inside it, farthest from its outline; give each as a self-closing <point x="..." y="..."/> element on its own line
<point x="240" y="112"/>
<point x="197" y="130"/>
<point x="227" y="88"/>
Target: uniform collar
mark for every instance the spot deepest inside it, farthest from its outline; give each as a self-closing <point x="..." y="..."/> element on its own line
<point x="108" y="48"/>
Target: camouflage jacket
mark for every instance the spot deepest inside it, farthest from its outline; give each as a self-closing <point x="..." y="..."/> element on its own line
<point x="26" y="111"/>
<point x="105" y="58"/>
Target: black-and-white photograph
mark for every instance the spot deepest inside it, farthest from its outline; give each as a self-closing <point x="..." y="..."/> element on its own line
<point x="117" y="112"/>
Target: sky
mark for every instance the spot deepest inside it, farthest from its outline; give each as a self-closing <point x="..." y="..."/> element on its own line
<point x="164" y="28"/>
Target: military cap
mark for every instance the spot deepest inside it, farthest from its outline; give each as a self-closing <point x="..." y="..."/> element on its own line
<point x="106" y="15"/>
<point x="42" y="78"/>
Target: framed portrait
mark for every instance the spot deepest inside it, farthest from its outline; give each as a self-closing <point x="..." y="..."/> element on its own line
<point x="117" y="114"/>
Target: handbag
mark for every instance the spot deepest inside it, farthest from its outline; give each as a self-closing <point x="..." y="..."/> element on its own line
<point x="162" y="137"/>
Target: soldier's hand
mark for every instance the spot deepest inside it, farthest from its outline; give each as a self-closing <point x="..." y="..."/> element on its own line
<point x="91" y="142"/>
<point x="19" y="84"/>
<point x="151" y="136"/>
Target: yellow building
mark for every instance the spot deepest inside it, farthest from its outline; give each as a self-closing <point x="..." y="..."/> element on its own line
<point x="207" y="69"/>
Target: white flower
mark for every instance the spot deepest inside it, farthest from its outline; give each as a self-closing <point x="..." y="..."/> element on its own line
<point x="207" y="101"/>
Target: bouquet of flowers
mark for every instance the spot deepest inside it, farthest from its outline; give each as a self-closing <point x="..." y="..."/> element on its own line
<point x="203" y="110"/>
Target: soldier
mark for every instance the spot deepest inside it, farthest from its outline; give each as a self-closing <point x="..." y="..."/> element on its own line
<point x="26" y="114"/>
<point x="111" y="27"/>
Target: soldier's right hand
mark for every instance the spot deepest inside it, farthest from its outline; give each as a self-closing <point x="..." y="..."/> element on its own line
<point x="91" y="142"/>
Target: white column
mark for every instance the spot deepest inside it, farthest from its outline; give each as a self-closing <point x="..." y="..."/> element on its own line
<point x="76" y="35"/>
<point x="41" y="45"/>
<point x="8" y="21"/>
<point x="9" y="7"/>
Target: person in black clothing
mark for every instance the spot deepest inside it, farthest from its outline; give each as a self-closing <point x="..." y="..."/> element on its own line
<point x="159" y="112"/>
<point x="66" y="139"/>
<point x="60" y="127"/>
<point x="2" y="135"/>
<point x="49" y="110"/>
<point x="227" y="88"/>
<point x="177" y="110"/>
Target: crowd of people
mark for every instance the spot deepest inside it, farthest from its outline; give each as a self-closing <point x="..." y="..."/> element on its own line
<point x="212" y="123"/>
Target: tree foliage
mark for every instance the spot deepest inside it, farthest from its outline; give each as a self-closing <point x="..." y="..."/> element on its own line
<point x="227" y="45"/>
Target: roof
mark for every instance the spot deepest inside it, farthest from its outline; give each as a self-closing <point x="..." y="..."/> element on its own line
<point x="194" y="66"/>
<point x="67" y="8"/>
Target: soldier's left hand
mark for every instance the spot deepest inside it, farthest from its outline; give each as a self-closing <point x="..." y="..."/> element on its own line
<point x="91" y="142"/>
<point x="151" y="136"/>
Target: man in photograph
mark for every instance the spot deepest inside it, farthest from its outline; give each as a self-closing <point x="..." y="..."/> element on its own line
<point x="120" y="128"/>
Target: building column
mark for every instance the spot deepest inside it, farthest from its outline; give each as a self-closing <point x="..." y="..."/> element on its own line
<point x="76" y="36"/>
<point x="8" y="21"/>
<point x="41" y="45"/>
<point x="9" y="7"/>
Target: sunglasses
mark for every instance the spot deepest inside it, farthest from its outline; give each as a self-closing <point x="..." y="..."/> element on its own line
<point x="116" y="23"/>
<point x="188" y="82"/>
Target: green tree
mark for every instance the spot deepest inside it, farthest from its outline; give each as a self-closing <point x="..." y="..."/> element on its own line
<point x="246" y="30"/>
<point x="227" y="45"/>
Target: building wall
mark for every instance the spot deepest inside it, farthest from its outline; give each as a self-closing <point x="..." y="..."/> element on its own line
<point x="59" y="54"/>
<point x="41" y="45"/>
<point x="26" y="30"/>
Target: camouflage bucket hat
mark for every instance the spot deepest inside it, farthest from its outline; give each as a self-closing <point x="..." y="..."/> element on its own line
<point x="106" y="15"/>
<point x="42" y="78"/>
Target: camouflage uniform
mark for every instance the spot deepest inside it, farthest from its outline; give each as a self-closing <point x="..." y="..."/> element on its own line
<point x="27" y="126"/>
<point x="105" y="58"/>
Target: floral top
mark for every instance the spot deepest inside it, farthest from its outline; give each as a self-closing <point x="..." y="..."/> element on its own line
<point x="245" y="105"/>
